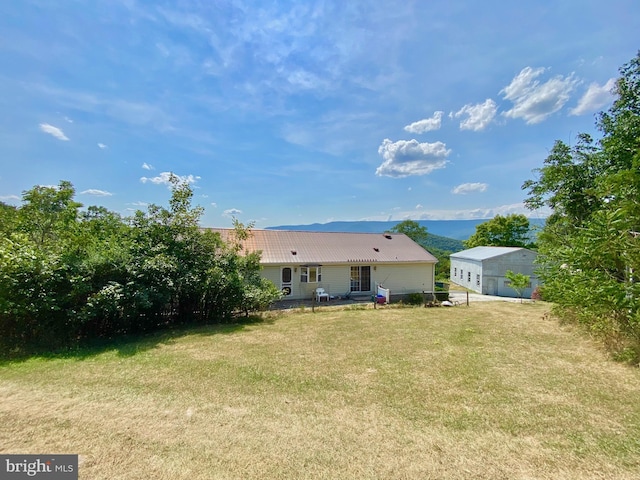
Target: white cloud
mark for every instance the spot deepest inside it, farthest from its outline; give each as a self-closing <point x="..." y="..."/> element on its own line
<point x="97" y="193"/>
<point x="534" y="101"/>
<point x="165" y="179"/>
<point x="465" y="188"/>
<point x="231" y="212"/>
<point x="594" y="98"/>
<point x="4" y="198"/>
<point x="214" y="204"/>
<point x="408" y="157"/>
<point x="426" y="125"/>
<point x="419" y="207"/>
<point x="146" y="166"/>
<point x="54" y="131"/>
<point x="479" y="116"/>
<point x="102" y="146"/>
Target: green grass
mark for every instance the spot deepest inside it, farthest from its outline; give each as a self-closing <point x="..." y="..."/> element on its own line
<point x="491" y="391"/>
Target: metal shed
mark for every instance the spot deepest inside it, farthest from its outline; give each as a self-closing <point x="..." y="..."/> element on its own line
<point x="483" y="269"/>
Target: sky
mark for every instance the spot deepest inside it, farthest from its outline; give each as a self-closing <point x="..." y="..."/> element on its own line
<point x="299" y="112"/>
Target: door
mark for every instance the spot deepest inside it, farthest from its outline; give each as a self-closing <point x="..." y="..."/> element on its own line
<point x="360" y="278"/>
<point x="285" y="284"/>
<point x="492" y="286"/>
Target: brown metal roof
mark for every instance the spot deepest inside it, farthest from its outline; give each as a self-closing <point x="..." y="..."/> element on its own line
<point x="300" y="248"/>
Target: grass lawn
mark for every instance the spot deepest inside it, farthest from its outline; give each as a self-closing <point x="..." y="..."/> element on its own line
<point x="490" y="391"/>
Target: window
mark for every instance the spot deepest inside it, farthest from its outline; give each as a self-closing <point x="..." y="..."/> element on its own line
<point x="455" y="271"/>
<point x="461" y="274"/>
<point x="478" y="280"/>
<point x="468" y="276"/>
<point x="360" y="278"/>
<point x="286" y="275"/>
<point x="310" y="274"/>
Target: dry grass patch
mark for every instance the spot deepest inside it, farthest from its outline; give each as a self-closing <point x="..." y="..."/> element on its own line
<point x="490" y="391"/>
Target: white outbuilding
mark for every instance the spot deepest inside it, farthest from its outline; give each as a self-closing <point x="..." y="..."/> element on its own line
<point x="483" y="269"/>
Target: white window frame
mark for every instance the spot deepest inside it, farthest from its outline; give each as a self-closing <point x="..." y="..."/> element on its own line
<point x="311" y="274"/>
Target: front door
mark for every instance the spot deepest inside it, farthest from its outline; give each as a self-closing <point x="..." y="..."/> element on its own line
<point x="285" y="284"/>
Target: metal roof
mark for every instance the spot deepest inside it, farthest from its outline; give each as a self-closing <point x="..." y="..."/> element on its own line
<point x="301" y="247"/>
<point x="484" y="253"/>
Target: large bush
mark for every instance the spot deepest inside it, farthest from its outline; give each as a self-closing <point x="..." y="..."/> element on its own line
<point x="68" y="276"/>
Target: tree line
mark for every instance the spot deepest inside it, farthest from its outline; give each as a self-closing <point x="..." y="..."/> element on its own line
<point x="589" y="249"/>
<point x="68" y="276"/>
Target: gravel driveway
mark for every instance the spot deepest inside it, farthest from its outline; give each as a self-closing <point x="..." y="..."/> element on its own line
<point x="461" y="297"/>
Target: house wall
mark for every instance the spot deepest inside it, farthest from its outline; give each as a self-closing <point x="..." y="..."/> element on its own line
<point x="336" y="279"/>
<point x="405" y="278"/>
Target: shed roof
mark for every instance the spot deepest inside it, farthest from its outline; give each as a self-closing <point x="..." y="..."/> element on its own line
<point x="301" y="247"/>
<point x="485" y="253"/>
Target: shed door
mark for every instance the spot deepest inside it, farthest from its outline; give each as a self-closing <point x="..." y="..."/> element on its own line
<point x="492" y="286"/>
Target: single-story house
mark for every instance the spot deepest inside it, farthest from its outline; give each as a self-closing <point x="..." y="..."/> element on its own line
<point x="483" y="269"/>
<point x="343" y="264"/>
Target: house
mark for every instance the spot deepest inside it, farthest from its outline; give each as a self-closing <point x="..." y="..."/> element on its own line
<point x="483" y="269"/>
<point x="343" y="264"/>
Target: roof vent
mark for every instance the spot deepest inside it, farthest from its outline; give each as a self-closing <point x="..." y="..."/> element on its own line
<point x="387" y="236"/>
<point x="376" y="249"/>
<point x="294" y="252"/>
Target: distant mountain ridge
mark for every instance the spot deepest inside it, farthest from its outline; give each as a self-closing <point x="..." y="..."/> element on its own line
<point x="453" y="229"/>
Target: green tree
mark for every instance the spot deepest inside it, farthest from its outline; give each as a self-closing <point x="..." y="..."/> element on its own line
<point x="68" y="276"/>
<point x="413" y="230"/>
<point x="518" y="281"/>
<point x="589" y="248"/>
<point x="508" y="231"/>
<point x="48" y="214"/>
<point x="8" y="218"/>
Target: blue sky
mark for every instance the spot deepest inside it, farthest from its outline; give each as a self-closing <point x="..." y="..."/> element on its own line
<point x="282" y="112"/>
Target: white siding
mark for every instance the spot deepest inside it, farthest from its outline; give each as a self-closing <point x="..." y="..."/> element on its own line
<point x="492" y="273"/>
<point x="459" y="273"/>
<point x="273" y="274"/>
<point x="336" y="279"/>
<point x="405" y="278"/>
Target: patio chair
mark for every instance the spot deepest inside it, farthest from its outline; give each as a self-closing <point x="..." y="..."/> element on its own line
<point x="320" y="294"/>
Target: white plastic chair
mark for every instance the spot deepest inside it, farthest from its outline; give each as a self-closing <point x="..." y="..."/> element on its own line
<point x="320" y="294"/>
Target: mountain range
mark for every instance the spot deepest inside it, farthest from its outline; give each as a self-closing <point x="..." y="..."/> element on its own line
<point x="454" y="229"/>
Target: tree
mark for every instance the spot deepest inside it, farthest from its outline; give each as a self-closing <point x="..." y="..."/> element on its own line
<point x="518" y="281"/>
<point x="508" y="231"/>
<point x="590" y="248"/>
<point x="48" y="213"/>
<point x="68" y="276"/>
<point x="8" y="218"/>
<point x="413" y="230"/>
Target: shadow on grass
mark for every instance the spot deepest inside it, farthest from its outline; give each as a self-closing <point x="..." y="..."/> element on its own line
<point x="130" y="345"/>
